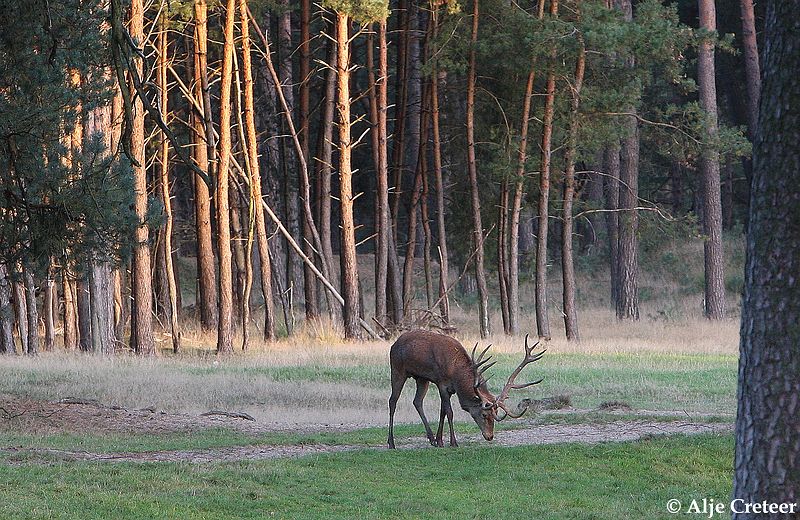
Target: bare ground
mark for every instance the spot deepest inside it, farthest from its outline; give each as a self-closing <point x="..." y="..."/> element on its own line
<point x="81" y="417"/>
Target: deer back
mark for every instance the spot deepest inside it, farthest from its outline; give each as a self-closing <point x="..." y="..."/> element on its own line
<point x="435" y="357"/>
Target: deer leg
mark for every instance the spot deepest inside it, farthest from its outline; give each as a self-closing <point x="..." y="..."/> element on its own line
<point x="445" y="397"/>
<point x="398" y="381"/>
<point x="449" y="412"/>
<point x="422" y="389"/>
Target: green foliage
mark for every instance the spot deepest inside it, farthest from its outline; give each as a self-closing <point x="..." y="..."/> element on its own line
<point x="361" y="11"/>
<point x="56" y="202"/>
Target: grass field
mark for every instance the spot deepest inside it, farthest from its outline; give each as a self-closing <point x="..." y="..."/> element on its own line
<point x="614" y="480"/>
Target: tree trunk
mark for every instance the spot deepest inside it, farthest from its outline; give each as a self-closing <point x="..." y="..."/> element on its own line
<point x="628" y="253"/>
<point x="101" y="301"/>
<point x="166" y="200"/>
<point x="567" y="262"/>
<point x="142" y="304"/>
<point x="542" y="319"/>
<point x="49" y="311"/>
<point x="503" y="253"/>
<point x="255" y="178"/>
<point x="477" y="225"/>
<point x="611" y="165"/>
<point x="84" y="311"/>
<point x="768" y="418"/>
<point x="709" y="170"/>
<point x="7" y="344"/>
<point x="751" y="65"/>
<point x="348" y="248"/>
<point x="203" y="150"/>
<point x="225" y="312"/>
<point x="444" y="302"/>
<point x="400" y="110"/>
<point x="31" y="312"/>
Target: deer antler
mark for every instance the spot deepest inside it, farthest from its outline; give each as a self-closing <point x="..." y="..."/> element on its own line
<point x="481" y="365"/>
<point x="530" y="357"/>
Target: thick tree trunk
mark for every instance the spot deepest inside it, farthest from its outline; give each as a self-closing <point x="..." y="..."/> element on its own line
<point x="709" y="170"/>
<point x="101" y="301"/>
<point x="768" y="419"/>
<point x="542" y="318"/>
<point x="142" y="289"/>
<point x="166" y="200"/>
<point x="70" y="319"/>
<point x="567" y="262"/>
<point x="203" y="150"/>
<point x="477" y="224"/>
<point x="255" y="178"/>
<point x="225" y="296"/>
<point x="84" y="311"/>
<point x="7" y="344"/>
<point x="348" y="249"/>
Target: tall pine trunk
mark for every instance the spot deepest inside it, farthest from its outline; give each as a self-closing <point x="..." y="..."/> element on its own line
<point x="348" y="248"/>
<point x="142" y="339"/>
<point x="7" y="344"/>
<point x="709" y="170"/>
<point x="204" y="150"/>
<point x="225" y="296"/>
<point x="477" y="224"/>
<point x="751" y="64"/>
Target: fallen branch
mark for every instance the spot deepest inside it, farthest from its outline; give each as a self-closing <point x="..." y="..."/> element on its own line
<point x="233" y="415"/>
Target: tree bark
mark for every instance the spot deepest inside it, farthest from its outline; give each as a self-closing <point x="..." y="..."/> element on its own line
<point x="611" y="165"/>
<point x="142" y="303"/>
<point x="709" y="170"/>
<point x="477" y="224"/>
<point x="751" y="64"/>
<point x="225" y="296"/>
<point x="348" y="249"/>
<point x="7" y="344"/>
<point x="255" y="178"/>
<point x="203" y="151"/>
<point x="400" y="110"/>
<point x="84" y="311"/>
<point x="542" y="318"/>
<point x="567" y="261"/>
<point x="768" y="418"/>
<point x="166" y="200"/>
<point x="48" y="311"/>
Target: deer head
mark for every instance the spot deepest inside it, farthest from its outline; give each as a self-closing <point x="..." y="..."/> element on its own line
<point x="486" y="408"/>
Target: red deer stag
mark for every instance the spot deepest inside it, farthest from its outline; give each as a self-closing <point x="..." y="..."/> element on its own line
<point x="429" y="357"/>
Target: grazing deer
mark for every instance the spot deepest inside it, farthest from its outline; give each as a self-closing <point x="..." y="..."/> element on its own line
<point x="429" y="357"/>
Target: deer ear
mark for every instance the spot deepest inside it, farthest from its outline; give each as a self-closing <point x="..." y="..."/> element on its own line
<point x="486" y="405"/>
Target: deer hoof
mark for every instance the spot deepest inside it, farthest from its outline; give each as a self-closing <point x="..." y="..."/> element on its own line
<point x="454" y="444"/>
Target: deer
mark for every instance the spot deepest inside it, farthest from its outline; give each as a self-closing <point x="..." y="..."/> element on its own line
<point x="430" y="357"/>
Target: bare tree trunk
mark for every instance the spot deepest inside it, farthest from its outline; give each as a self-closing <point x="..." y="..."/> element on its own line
<point x="7" y="344"/>
<point x="611" y="165"/>
<point x="348" y="249"/>
<point x="255" y="178"/>
<point x="21" y="309"/>
<point x="142" y="304"/>
<point x="444" y="302"/>
<point x="751" y="64"/>
<point x="503" y="253"/>
<point x="400" y="110"/>
<point x="203" y="150"/>
<point x="101" y="301"/>
<point x="709" y="169"/>
<point x="516" y="208"/>
<point x="477" y="229"/>
<point x="166" y="200"/>
<point x="225" y="319"/>
<point x="542" y="319"/>
<point x="628" y="252"/>
<point x="567" y="262"/>
<point x="768" y="417"/>
<point x="294" y="269"/>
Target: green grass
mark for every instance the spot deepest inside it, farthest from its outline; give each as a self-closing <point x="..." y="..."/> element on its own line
<point x="613" y="480"/>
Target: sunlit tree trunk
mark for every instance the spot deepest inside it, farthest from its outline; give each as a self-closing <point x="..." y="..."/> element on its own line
<point x="48" y="310"/>
<point x="709" y="170"/>
<point x="348" y="249"/>
<point x="7" y="344"/>
<point x="768" y="418"/>
<point x="204" y="150"/>
<point x="142" y="290"/>
<point x="751" y="64"/>
<point x="166" y="200"/>
<point x="225" y="296"/>
<point x="255" y="178"/>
